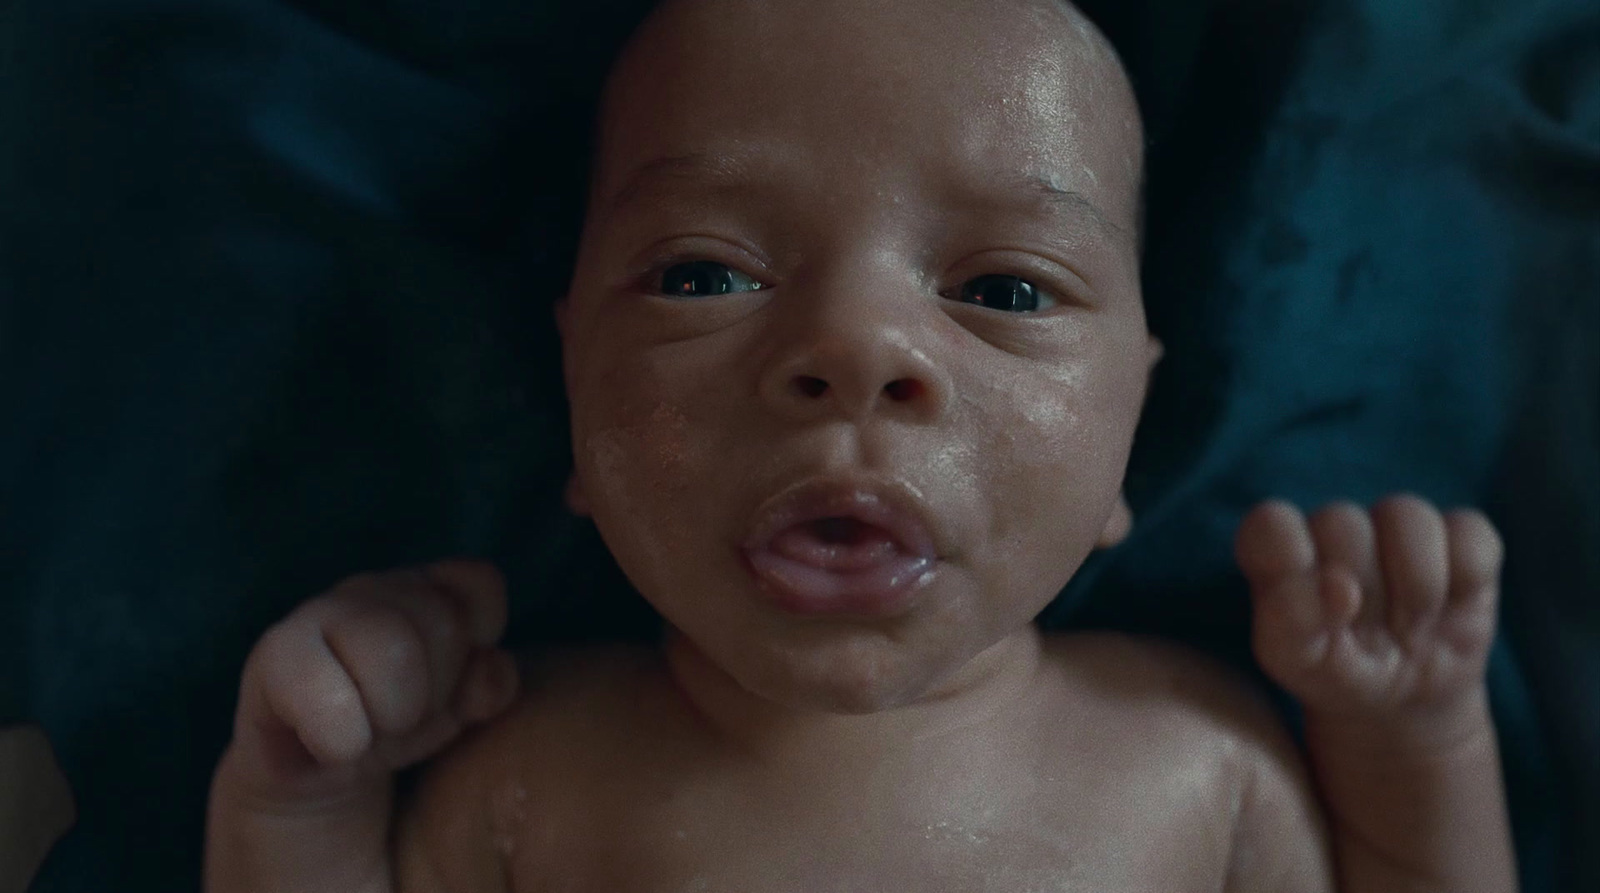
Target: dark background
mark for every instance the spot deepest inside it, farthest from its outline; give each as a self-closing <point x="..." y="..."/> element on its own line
<point x="274" y="288"/>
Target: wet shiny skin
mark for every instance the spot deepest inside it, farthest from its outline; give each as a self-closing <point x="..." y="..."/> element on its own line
<point x="860" y="162"/>
<point x="869" y="159"/>
<point x="1110" y="764"/>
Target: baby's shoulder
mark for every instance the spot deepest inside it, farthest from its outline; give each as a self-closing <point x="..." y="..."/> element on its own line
<point x="572" y="698"/>
<point x="475" y="808"/>
<point x="1182" y="738"/>
<point x="1165" y="694"/>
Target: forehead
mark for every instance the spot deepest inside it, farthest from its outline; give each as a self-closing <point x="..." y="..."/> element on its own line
<point x="900" y="89"/>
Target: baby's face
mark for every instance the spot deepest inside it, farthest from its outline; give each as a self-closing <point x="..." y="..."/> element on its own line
<point x="871" y="261"/>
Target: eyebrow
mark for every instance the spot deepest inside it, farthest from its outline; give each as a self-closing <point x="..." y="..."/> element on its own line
<point x="1042" y="191"/>
<point x="717" y="171"/>
<point x="697" y="168"/>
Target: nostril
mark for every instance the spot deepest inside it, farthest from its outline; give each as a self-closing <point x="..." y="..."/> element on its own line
<point x="902" y="390"/>
<point x="810" y="385"/>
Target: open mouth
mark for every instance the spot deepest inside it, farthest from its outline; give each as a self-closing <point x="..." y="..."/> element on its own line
<point x="836" y="543"/>
<point x="841" y="549"/>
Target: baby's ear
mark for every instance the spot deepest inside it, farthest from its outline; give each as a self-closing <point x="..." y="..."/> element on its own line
<point x="1154" y="350"/>
<point x="1118" y="526"/>
<point x="561" y="316"/>
<point x="577" y="500"/>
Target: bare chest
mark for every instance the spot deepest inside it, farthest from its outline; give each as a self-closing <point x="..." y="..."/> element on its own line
<point x="996" y="828"/>
<point x="1102" y="777"/>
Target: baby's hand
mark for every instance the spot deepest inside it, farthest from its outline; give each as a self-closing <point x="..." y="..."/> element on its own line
<point x="377" y="674"/>
<point x="1382" y="617"/>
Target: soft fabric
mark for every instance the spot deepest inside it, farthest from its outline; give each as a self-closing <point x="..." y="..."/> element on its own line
<point x="274" y="308"/>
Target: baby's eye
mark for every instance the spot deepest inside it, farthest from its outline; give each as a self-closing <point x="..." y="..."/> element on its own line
<point x="1001" y="292"/>
<point x="704" y="279"/>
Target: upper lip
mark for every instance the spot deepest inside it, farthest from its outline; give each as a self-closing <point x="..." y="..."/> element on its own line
<point x="885" y="503"/>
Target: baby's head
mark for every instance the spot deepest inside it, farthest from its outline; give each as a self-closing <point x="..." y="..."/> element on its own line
<point x="855" y="346"/>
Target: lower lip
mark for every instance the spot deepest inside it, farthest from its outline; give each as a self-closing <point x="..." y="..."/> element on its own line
<point x="885" y="589"/>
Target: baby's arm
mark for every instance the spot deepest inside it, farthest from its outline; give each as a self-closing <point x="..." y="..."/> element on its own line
<point x="378" y="674"/>
<point x="1380" y="625"/>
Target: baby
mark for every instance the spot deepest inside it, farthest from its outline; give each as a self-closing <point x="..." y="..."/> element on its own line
<point x="855" y="351"/>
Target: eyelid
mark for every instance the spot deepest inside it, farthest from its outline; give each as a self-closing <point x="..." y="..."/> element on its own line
<point x="710" y="250"/>
<point x="691" y="247"/>
<point x="1059" y="282"/>
<point x="652" y="279"/>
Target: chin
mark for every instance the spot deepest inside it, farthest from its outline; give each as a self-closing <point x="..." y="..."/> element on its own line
<point x="857" y="678"/>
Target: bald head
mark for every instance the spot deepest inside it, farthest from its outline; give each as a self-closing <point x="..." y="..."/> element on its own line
<point x="955" y="77"/>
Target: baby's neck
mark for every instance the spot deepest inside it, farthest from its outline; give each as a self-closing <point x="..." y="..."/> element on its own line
<point x="978" y="693"/>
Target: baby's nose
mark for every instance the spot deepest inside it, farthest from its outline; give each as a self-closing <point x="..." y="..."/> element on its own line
<point x="858" y="374"/>
<point x="901" y="390"/>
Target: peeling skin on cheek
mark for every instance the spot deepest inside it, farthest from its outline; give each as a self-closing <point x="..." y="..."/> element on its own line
<point x="636" y="467"/>
<point x="1050" y="431"/>
<point x="1051" y="406"/>
<point x="640" y="427"/>
<point x="1048" y="414"/>
<point x="668" y="426"/>
<point x="1031" y="427"/>
<point x="951" y="463"/>
<point x="662" y="443"/>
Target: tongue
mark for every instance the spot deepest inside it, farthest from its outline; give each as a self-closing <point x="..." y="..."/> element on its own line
<point x="836" y="544"/>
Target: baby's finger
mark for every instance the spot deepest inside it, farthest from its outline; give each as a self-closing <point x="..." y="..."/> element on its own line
<point x="1476" y="555"/>
<point x="1341" y="596"/>
<point x="305" y="686"/>
<point x="1288" y="628"/>
<point x="419" y="744"/>
<point x="1413" y="554"/>
<point x="1291" y="624"/>
<point x="1273" y="542"/>
<point x="382" y="651"/>
<point x="1344" y="537"/>
<point x="480" y="592"/>
<point x="1288" y="624"/>
<point x="436" y="619"/>
<point x="488" y="686"/>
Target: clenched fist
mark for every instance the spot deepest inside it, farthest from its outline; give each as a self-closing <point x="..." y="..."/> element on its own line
<point x="381" y="672"/>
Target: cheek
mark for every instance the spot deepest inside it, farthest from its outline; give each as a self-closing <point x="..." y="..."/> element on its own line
<point x="1057" y="447"/>
<point x="636" y="455"/>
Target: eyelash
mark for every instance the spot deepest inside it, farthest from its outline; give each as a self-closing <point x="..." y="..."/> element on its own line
<point x="1045" y="284"/>
<point x="651" y="278"/>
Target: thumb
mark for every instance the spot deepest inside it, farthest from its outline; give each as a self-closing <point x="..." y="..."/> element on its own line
<point x="488" y="687"/>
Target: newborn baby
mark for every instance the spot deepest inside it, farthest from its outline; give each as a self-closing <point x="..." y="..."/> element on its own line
<point x="855" y="351"/>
